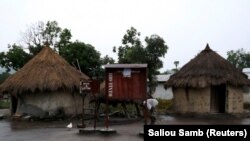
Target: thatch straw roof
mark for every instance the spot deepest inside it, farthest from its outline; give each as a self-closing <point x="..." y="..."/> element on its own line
<point x="47" y="71"/>
<point x="207" y="68"/>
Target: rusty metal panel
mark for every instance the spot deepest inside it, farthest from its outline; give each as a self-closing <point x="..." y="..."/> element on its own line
<point x="95" y="87"/>
<point x="122" y="86"/>
<point x="90" y="86"/>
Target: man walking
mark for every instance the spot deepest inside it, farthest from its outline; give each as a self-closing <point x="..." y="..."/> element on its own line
<point x="150" y="105"/>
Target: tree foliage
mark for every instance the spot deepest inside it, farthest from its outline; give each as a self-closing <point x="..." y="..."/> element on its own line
<point x="133" y="51"/>
<point x="240" y="58"/>
<point x="35" y="38"/>
<point x="4" y="76"/>
<point x="64" y="41"/>
<point x="131" y="45"/>
<point x="107" y="60"/>
<point x="84" y="55"/>
<point x="176" y="63"/>
<point x="15" y="58"/>
<point x="155" y="49"/>
<point x="50" y="34"/>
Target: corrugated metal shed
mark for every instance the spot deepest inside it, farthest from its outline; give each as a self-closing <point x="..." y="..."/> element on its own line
<point x="162" y="77"/>
<point x="126" y="82"/>
<point x="247" y="72"/>
<point x="126" y="66"/>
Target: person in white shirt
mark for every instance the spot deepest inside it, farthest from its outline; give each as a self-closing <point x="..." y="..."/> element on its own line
<point x="150" y="105"/>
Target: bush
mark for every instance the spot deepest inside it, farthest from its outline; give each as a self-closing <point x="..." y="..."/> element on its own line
<point x="164" y="105"/>
<point x="4" y="104"/>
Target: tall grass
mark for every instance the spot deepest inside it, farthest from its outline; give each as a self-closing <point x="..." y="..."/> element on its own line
<point x="164" y="105"/>
<point x="4" y="104"/>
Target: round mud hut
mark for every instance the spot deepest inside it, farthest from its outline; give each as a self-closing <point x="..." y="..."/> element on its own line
<point x="46" y="86"/>
<point x="208" y="84"/>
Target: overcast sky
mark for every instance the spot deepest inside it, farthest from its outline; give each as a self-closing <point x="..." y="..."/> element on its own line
<point x="185" y="25"/>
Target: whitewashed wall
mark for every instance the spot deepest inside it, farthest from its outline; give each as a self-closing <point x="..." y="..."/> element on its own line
<point x="160" y="91"/>
<point x="246" y="96"/>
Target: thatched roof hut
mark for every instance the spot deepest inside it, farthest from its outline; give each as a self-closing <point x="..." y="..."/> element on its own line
<point x="207" y="68"/>
<point x="45" y="83"/>
<point x="47" y="71"/>
<point x="208" y="83"/>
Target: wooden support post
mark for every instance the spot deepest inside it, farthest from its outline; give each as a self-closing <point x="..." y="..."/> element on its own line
<point x="83" y="99"/>
<point x="107" y="114"/>
<point x="95" y="118"/>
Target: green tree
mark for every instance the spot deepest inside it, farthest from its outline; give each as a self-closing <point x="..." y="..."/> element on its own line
<point x="35" y="39"/>
<point x="107" y="60"/>
<point x="176" y="63"/>
<point x="15" y="58"/>
<point x="131" y="45"/>
<point x="51" y="33"/>
<point x="155" y="49"/>
<point x="4" y="76"/>
<point x="38" y="35"/>
<point x="240" y="58"/>
<point x="84" y="55"/>
<point x="64" y="41"/>
<point x="132" y="51"/>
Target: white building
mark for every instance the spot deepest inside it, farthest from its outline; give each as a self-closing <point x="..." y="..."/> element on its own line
<point x="160" y="91"/>
<point x="247" y="90"/>
<point x="247" y="72"/>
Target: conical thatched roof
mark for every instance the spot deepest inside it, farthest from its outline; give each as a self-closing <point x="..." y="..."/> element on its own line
<point x="207" y="68"/>
<point x="47" y="71"/>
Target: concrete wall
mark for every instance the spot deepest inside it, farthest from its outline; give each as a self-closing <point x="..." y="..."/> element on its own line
<point x="234" y="100"/>
<point x="198" y="100"/>
<point x="162" y="93"/>
<point x="246" y="98"/>
<point x="246" y="95"/>
<point x="193" y="100"/>
<point x="50" y="104"/>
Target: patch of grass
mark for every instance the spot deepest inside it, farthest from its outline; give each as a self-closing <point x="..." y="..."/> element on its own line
<point x="164" y="105"/>
<point x="4" y="104"/>
<point x="130" y="108"/>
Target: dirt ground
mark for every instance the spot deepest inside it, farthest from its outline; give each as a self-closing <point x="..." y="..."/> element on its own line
<point x="126" y="129"/>
<point x="57" y="131"/>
